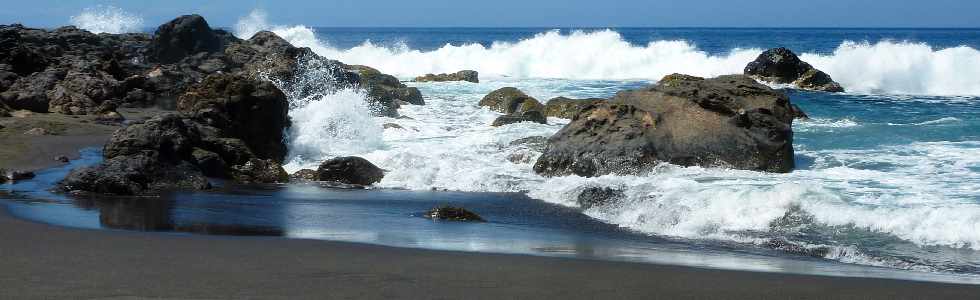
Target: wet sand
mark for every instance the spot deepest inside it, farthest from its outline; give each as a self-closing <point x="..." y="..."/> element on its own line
<point x="43" y="262"/>
<point x="63" y="135"/>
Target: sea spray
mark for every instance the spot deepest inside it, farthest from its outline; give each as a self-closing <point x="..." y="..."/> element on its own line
<point x="885" y="67"/>
<point x="902" y="68"/>
<point x="107" y="19"/>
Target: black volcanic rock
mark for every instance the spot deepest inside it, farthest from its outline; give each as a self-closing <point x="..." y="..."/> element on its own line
<point x="252" y="110"/>
<point x="350" y="170"/>
<point x="184" y="36"/>
<point x="781" y="65"/>
<point x="728" y="121"/>
<point x="527" y="116"/>
<point x="450" y="213"/>
<point x="567" y="108"/>
<point x="465" y="75"/>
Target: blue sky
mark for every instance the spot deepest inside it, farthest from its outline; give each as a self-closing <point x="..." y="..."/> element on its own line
<point x="517" y="13"/>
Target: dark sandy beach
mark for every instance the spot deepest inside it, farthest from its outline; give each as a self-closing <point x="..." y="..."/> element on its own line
<point x="44" y="262"/>
<point x="62" y="135"/>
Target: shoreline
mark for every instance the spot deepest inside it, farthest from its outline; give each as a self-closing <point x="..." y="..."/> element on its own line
<point x="108" y="263"/>
<point x="65" y="136"/>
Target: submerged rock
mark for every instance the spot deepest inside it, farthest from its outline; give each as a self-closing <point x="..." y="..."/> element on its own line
<point x="781" y="65"/>
<point x="528" y="116"/>
<point x="598" y="196"/>
<point x="449" y="213"/>
<point x="567" y="108"/>
<point x="305" y="175"/>
<point x="465" y="75"/>
<point x="350" y="170"/>
<point x="728" y="121"/>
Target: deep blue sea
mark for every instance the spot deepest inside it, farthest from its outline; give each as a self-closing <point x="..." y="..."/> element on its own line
<point x="887" y="185"/>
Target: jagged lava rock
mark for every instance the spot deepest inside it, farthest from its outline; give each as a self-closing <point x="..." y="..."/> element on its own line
<point x="781" y="65"/>
<point x="464" y="75"/>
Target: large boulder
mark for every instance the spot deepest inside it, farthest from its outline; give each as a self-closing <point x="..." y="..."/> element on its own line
<point x="82" y="93"/>
<point x="567" y="108"/>
<point x="31" y="92"/>
<point x="139" y="173"/>
<point x="350" y="170"/>
<point x="465" y="75"/>
<point x="728" y="121"/>
<point x="510" y="100"/>
<point x="229" y="126"/>
<point x="186" y="35"/>
<point x="249" y="109"/>
<point x="385" y="90"/>
<point x="781" y="65"/>
<point x="517" y="106"/>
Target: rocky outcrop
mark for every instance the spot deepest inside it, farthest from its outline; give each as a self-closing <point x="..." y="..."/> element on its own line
<point x="252" y="110"/>
<point x="517" y="106"/>
<point x="567" y="108"/>
<point x="386" y="90"/>
<point x="350" y="170"/>
<point x="465" y="75"/>
<point x="780" y="65"/>
<point x="229" y="127"/>
<point x="184" y="36"/>
<point x="728" y="121"/>
<point x="450" y="213"/>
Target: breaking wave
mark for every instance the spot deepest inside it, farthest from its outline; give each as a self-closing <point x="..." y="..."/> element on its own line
<point x="885" y="67"/>
<point x="107" y="19"/>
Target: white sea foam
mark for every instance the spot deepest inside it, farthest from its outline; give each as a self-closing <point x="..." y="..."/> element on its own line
<point x="107" y="19"/>
<point x="902" y="68"/>
<point x="923" y="193"/>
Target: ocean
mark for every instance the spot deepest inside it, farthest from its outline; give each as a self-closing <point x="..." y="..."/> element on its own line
<point x="887" y="181"/>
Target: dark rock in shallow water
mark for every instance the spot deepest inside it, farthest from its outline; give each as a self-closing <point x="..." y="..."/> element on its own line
<point x="510" y="100"/>
<point x="789" y="247"/>
<point x="528" y="116"/>
<point x="518" y="106"/>
<point x="780" y="65"/>
<point x="305" y="175"/>
<point x="465" y="75"/>
<point x="260" y="171"/>
<point x="728" y="121"/>
<point x="6" y="175"/>
<point x="567" y="108"/>
<point x="598" y="196"/>
<point x="350" y="170"/>
<point x="186" y="35"/>
<point x="252" y="110"/>
<point x="135" y="174"/>
<point x="449" y="213"/>
<point x="386" y="90"/>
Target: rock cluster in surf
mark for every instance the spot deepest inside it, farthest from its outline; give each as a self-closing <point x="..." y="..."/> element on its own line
<point x="464" y="75"/>
<point x="781" y="65"/>
<point x="516" y="105"/>
<point x="729" y="121"/>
